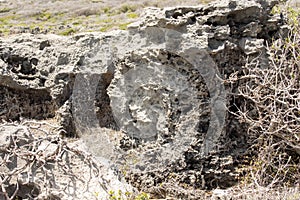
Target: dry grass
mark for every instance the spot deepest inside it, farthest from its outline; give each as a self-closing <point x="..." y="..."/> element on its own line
<point x="30" y="153"/>
<point x="60" y="17"/>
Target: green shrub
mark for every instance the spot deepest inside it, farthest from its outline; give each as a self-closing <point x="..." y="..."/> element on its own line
<point x="4" y="10"/>
<point x="124" y="26"/>
<point x="127" y="8"/>
<point x="132" y="15"/>
<point x="68" y="31"/>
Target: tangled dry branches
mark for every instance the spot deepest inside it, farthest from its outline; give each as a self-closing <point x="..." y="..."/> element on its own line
<point x="272" y="112"/>
<point x="30" y="164"/>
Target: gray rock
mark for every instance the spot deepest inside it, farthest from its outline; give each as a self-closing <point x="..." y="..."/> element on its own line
<point x="148" y="103"/>
<point x="251" y="45"/>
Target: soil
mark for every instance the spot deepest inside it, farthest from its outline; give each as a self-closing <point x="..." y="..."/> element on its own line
<point x="66" y="17"/>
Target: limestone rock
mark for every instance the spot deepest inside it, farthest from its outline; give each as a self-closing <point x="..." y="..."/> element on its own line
<point x="251" y="46"/>
<point x="149" y="103"/>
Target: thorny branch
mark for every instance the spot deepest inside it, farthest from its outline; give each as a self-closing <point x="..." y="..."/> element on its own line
<point x="271" y="109"/>
<point x="23" y="154"/>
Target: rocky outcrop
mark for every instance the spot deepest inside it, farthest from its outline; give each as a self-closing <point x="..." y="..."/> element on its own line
<point x="39" y="165"/>
<point x="150" y="103"/>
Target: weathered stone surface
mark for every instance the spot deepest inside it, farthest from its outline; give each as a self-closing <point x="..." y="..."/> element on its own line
<point x="252" y="46"/>
<point x="149" y="103"/>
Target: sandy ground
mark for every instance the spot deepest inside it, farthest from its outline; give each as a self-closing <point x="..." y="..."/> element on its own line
<point x="67" y="17"/>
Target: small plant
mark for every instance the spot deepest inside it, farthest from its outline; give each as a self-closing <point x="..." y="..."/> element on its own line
<point x="124" y="26"/>
<point x="132" y="15"/>
<point x="142" y="196"/>
<point x="114" y="196"/>
<point x="106" y="27"/>
<point x="7" y="19"/>
<point x="119" y="195"/>
<point x="68" y="31"/>
<point x="43" y="16"/>
<point x="293" y="16"/>
<point x="127" y="8"/>
<point x="4" y="10"/>
<point x="4" y="31"/>
<point x="106" y="10"/>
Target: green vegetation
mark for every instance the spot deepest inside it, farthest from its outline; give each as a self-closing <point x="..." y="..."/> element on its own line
<point x="68" y="31"/>
<point x="106" y="28"/>
<point x="6" y="20"/>
<point x="4" y="10"/>
<point x="127" y="8"/>
<point x="43" y="16"/>
<point x="293" y="15"/>
<point x="119" y="195"/>
<point x="106" y="10"/>
<point x="88" y="18"/>
<point x="47" y="21"/>
<point x="142" y="196"/>
<point x="106" y="21"/>
<point x="96" y="1"/>
<point x="124" y="26"/>
<point x="6" y="23"/>
<point x="106" y="24"/>
<point x="4" y="31"/>
<point x="130" y="9"/>
<point x="132" y="15"/>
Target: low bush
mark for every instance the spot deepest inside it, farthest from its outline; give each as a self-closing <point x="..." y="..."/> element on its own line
<point x="272" y="109"/>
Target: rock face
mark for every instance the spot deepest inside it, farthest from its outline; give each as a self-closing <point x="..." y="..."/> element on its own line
<point x="149" y="103"/>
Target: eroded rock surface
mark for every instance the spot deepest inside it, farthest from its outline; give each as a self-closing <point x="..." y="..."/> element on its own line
<point x="150" y="102"/>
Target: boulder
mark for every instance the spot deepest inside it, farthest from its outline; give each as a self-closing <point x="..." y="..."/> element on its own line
<point x="149" y="104"/>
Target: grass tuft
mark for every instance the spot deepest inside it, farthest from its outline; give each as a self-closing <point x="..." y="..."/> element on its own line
<point x="5" y="10"/>
<point x="67" y="32"/>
